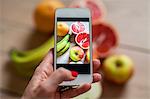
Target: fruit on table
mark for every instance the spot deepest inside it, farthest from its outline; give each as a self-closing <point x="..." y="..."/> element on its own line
<point x="26" y="61"/>
<point x="62" y="28"/>
<point x="83" y="40"/>
<point x="44" y="15"/>
<point x="105" y="39"/>
<point x="61" y="52"/>
<point x="76" y="53"/>
<point x="88" y="55"/>
<point x="62" y="44"/>
<point x="118" y="68"/>
<point x="77" y="27"/>
<point x="96" y="6"/>
<point x="94" y="93"/>
<point x="79" y="62"/>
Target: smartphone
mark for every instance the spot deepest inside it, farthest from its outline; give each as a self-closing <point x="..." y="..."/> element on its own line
<point x="73" y="43"/>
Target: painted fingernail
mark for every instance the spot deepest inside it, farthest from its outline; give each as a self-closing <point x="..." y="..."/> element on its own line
<point x="74" y="73"/>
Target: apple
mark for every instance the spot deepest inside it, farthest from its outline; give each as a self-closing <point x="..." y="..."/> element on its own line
<point x="62" y="28"/>
<point x="76" y="53"/>
<point x="88" y="56"/>
<point x="118" y="68"/>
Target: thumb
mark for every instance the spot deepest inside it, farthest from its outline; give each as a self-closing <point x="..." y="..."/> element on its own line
<point x="58" y="76"/>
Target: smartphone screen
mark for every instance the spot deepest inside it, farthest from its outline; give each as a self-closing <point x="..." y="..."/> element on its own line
<point x="73" y="44"/>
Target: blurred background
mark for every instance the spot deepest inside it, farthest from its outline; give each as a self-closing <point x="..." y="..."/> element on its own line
<point x="21" y="28"/>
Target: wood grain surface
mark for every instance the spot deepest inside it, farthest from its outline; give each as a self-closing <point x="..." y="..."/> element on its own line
<point x="130" y="17"/>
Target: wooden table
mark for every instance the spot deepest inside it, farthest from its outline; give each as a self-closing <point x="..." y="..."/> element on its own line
<point x="130" y="17"/>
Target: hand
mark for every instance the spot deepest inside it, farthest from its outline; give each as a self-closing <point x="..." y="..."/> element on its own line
<point x="45" y="81"/>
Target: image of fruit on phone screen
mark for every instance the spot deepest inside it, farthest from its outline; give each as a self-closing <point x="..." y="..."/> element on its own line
<point x="73" y="44"/>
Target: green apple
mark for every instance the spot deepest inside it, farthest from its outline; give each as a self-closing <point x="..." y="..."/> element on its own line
<point x="118" y="68"/>
<point x="76" y="53"/>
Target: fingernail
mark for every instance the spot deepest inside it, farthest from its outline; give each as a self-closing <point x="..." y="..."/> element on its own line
<point x="74" y="73"/>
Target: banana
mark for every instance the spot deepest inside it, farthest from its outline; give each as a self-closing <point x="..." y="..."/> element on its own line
<point x="65" y="38"/>
<point x="61" y="44"/>
<point x="26" y="61"/>
<point x="64" y="50"/>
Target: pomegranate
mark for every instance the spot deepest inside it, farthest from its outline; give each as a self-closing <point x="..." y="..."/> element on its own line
<point x="105" y="39"/>
<point x="96" y="6"/>
<point x="77" y="27"/>
<point x="83" y="40"/>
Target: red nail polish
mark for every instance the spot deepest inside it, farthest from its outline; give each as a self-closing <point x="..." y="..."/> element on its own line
<point x="74" y="73"/>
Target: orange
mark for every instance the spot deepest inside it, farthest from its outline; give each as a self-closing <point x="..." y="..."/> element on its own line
<point x="44" y="15"/>
<point x="62" y="28"/>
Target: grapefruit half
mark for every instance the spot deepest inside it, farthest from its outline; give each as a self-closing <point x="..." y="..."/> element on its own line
<point x="105" y="39"/>
<point x="96" y="7"/>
